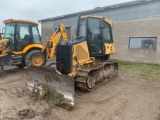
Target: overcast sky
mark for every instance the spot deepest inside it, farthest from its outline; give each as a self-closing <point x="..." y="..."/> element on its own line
<point x="41" y="9"/>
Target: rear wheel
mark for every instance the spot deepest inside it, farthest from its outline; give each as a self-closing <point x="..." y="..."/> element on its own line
<point x="35" y="58"/>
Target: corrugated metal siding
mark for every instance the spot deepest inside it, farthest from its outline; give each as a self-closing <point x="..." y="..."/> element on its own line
<point x="138" y="11"/>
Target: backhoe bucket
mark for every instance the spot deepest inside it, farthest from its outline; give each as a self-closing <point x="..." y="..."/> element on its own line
<point x="62" y="85"/>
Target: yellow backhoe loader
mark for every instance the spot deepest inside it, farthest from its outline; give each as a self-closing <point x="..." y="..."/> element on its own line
<point x="80" y="62"/>
<point x="21" y="44"/>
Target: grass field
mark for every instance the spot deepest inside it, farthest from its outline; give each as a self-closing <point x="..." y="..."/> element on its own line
<point x="151" y="71"/>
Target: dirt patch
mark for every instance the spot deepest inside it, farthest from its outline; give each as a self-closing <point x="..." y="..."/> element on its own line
<point x="129" y="96"/>
<point x="26" y="114"/>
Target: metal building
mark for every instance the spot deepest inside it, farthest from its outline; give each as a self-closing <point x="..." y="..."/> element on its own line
<point x="136" y="29"/>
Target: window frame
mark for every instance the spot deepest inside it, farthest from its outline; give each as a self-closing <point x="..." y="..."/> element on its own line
<point x="110" y="33"/>
<point x="87" y="33"/>
<point x="31" y="30"/>
<point x="18" y="25"/>
<point x="129" y="47"/>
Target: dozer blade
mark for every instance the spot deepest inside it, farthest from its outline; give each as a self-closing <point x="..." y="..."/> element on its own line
<point x="62" y="85"/>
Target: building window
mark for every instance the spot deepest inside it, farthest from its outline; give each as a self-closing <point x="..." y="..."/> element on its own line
<point x="143" y="42"/>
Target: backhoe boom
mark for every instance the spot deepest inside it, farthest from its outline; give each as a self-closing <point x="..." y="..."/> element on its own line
<point x="55" y="38"/>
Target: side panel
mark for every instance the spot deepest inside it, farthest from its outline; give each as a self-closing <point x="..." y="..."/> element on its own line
<point x="81" y="53"/>
<point x="28" y="47"/>
<point x="80" y="56"/>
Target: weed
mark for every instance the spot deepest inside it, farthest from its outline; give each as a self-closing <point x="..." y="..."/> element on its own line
<point x="47" y="91"/>
<point x="58" y="99"/>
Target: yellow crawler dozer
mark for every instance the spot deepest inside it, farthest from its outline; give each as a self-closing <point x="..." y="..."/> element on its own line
<point x="80" y="62"/>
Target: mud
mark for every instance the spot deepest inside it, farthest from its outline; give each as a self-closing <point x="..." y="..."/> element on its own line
<point x="129" y="96"/>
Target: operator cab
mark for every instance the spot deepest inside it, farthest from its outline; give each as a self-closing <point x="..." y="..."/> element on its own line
<point x="21" y="33"/>
<point x="97" y="32"/>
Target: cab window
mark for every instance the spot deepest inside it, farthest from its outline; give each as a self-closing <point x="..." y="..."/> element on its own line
<point x="23" y="37"/>
<point x="9" y="30"/>
<point x="35" y="33"/>
<point x="107" y="34"/>
<point x="94" y="36"/>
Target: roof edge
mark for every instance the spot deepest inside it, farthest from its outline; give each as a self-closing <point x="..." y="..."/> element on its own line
<point x="97" y="9"/>
<point x="18" y="20"/>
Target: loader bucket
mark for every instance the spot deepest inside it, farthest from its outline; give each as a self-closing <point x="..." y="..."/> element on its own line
<point x="62" y="85"/>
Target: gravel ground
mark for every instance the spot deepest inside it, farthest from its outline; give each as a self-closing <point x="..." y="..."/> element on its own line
<point x="127" y="97"/>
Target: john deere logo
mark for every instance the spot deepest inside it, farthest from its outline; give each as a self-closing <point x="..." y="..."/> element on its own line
<point x="111" y="49"/>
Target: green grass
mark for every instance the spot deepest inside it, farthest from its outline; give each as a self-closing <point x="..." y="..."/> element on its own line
<point x="151" y="71"/>
<point x="57" y="98"/>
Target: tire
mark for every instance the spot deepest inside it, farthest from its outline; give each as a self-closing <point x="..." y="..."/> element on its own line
<point x="35" y="58"/>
